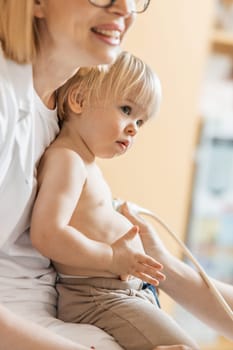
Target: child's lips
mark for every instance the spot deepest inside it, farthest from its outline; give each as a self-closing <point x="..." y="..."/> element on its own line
<point x="124" y="144"/>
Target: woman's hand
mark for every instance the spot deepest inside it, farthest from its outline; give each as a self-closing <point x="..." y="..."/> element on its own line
<point x="152" y="244"/>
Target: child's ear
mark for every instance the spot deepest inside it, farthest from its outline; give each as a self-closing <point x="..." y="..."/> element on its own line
<point x="75" y="101"/>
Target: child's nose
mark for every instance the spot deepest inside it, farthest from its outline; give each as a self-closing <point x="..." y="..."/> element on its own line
<point x="132" y="129"/>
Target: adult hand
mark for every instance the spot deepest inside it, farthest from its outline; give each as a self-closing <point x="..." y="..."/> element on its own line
<point x="152" y="244"/>
<point x="172" y="347"/>
<point x="128" y="261"/>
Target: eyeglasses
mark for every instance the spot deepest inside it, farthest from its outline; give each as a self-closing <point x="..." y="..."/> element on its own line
<point x="138" y="6"/>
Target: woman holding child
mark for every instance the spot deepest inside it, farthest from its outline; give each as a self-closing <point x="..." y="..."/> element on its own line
<point x="43" y="43"/>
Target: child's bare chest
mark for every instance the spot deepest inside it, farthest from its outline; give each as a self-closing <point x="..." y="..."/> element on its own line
<point x="94" y="214"/>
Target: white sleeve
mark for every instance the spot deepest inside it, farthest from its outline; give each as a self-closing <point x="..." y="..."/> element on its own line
<point x="8" y="118"/>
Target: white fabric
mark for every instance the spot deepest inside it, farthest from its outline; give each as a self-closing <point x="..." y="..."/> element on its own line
<point x="27" y="127"/>
<point x="80" y="333"/>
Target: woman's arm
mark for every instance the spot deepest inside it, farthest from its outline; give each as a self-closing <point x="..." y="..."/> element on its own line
<point x="184" y="284"/>
<point x="19" y="334"/>
<point x="188" y="288"/>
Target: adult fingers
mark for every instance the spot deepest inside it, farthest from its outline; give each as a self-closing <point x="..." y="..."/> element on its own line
<point x="131" y="216"/>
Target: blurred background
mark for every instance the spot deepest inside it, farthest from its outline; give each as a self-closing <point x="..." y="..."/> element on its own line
<point x="181" y="166"/>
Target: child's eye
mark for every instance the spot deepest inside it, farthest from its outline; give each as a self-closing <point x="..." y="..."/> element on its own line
<point x="126" y="110"/>
<point x="140" y="122"/>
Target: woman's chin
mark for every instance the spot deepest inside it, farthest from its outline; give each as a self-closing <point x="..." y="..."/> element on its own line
<point x="107" y="57"/>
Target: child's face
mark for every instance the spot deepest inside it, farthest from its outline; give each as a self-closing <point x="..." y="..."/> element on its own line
<point x="110" y="130"/>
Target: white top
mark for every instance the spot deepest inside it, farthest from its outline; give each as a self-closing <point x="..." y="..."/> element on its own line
<point x="27" y="127"/>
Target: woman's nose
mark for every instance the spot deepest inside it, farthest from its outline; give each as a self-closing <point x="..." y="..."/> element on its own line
<point x="123" y="7"/>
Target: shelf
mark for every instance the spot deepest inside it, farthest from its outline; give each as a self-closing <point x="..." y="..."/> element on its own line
<point x="222" y="41"/>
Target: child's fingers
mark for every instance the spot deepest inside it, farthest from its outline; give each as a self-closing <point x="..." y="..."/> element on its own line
<point x="150" y="273"/>
<point x="149" y="261"/>
<point x="147" y="278"/>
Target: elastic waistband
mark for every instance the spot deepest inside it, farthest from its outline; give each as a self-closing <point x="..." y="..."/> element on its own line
<point x="103" y="282"/>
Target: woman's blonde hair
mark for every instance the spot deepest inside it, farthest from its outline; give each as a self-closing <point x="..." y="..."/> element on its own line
<point x="17" y="30"/>
<point x="128" y="78"/>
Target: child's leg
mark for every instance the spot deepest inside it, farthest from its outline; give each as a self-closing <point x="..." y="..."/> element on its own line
<point x="131" y="316"/>
<point x="137" y="324"/>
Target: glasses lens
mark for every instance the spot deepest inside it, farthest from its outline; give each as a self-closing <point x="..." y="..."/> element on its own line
<point x="138" y="6"/>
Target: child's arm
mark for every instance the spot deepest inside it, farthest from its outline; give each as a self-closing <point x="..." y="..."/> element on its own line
<point x="62" y="178"/>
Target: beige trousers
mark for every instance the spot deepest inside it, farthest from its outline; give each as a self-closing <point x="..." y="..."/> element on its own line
<point x="122" y="309"/>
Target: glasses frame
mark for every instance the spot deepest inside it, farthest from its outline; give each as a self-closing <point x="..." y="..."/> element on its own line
<point x="111" y="2"/>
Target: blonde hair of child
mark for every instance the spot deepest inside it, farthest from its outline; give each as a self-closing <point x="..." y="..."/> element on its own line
<point x="127" y="78"/>
<point x="17" y="30"/>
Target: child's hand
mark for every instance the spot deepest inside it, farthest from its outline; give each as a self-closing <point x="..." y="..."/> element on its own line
<point x="127" y="261"/>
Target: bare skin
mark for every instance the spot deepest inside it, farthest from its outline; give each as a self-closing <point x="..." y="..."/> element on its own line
<point x="31" y="336"/>
<point x="73" y="220"/>
<point x="75" y="28"/>
<point x="67" y="42"/>
<point x="20" y="334"/>
<point x="67" y="216"/>
<point x="183" y="282"/>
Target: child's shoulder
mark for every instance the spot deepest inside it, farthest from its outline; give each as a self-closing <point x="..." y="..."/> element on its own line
<point x="61" y="153"/>
<point x="62" y="159"/>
